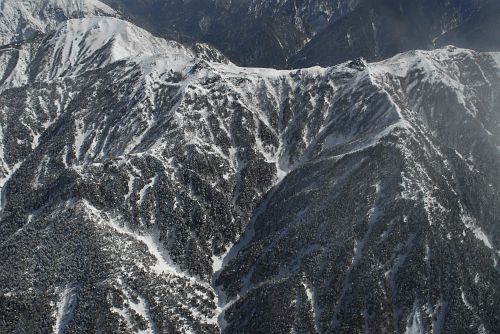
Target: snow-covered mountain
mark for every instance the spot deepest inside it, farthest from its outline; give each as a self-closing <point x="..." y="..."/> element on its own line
<point x="378" y="29"/>
<point x="295" y="34"/>
<point x="153" y="187"/>
<point x="251" y="32"/>
<point x="22" y="19"/>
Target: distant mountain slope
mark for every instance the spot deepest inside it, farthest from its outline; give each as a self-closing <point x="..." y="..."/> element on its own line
<point x="289" y="33"/>
<point x="377" y="29"/>
<point x="364" y="196"/>
<point x="281" y="34"/>
<point x="257" y="33"/>
<point x="479" y="32"/>
<point x="21" y="19"/>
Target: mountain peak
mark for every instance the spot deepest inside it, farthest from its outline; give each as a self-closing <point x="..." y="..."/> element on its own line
<point x="79" y="42"/>
<point x="21" y="19"/>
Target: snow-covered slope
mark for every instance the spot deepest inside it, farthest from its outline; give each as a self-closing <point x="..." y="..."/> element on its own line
<point x="149" y="187"/>
<point x="84" y="44"/>
<point x="22" y="19"/>
<point x="80" y="45"/>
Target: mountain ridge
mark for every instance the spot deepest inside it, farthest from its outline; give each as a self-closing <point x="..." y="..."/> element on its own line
<point x="162" y="188"/>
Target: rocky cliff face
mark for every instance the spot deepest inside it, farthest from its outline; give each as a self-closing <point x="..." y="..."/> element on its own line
<point x="152" y="187"/>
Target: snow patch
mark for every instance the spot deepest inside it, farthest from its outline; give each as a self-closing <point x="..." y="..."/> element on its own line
<point x="141" y="308"/>
<point x="415" y="324"/>
<point x="478" y="231"/>
<point x="66" y="303"/>
<point x="440" y="312"/>
<point x="311" y="297"/>
<point x="164" y="264"/>
<point x="496" y="58"/>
